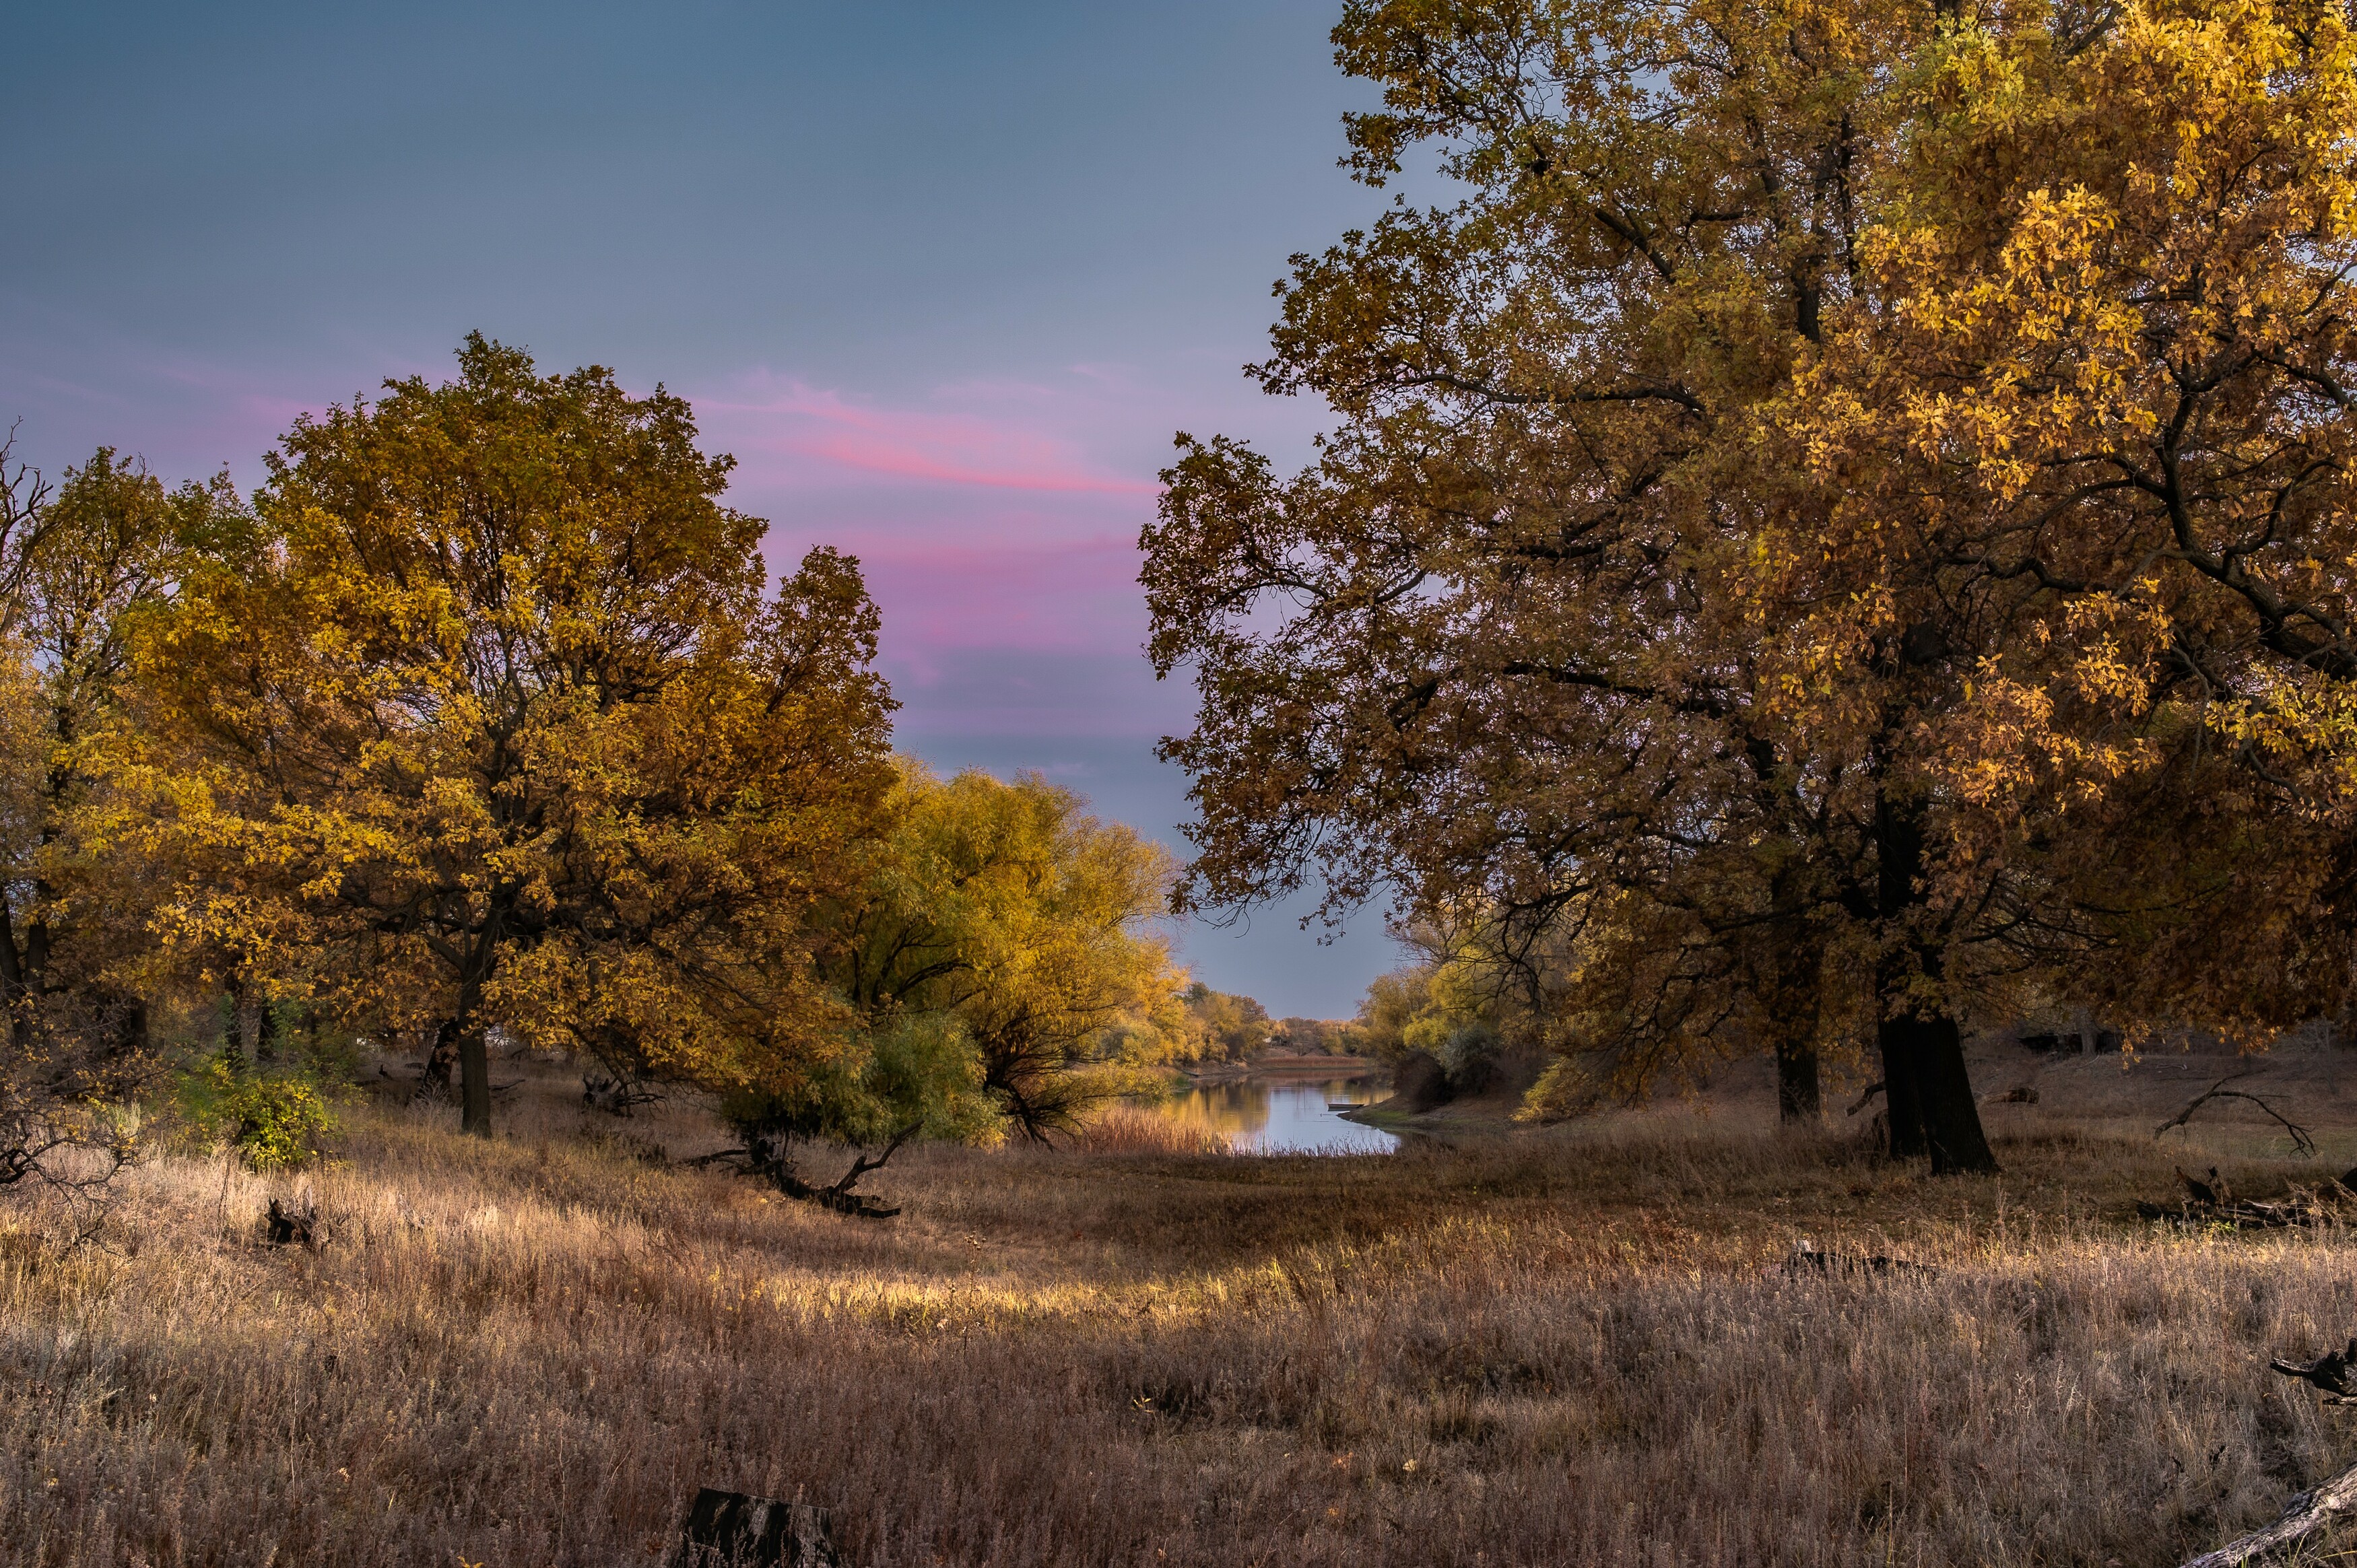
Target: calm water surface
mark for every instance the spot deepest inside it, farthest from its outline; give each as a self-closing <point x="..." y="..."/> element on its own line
<point x="1280" y="1118"/>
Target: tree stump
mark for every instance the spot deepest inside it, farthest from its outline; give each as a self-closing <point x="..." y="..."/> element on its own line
<point x="735" y="1530"/>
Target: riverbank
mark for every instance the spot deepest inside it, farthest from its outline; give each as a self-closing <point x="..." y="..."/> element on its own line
<point x="1283" y="1065"/>
<point x="1565" y="1344"/>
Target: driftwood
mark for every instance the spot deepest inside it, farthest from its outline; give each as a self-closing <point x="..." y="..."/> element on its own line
<point x="2301" y="1141"/>
<point x="735" y="1530"/>
<point x="2303" y="1516"/>
<point x="287" y="1227"/>
<point x="615" y="1096"/>
<point x="2311" y="1510"/>
<point x="1806" y="1258"/>
<point x="2334" y="1372"/>
<point x="768" y="1157"/>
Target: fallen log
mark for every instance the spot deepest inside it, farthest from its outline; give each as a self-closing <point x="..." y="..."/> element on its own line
<point x="2303" y="1516"/>
<point x="290" y="1226"/>
<point x="768" y="1157"/>
<point x="615" y="1096"/>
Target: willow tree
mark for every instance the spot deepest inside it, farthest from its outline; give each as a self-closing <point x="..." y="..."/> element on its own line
<point x="501" y="724"/>
<point x="1007" y="913"/>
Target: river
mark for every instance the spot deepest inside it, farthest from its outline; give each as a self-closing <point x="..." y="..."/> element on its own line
<point x="1280" y="1116"/>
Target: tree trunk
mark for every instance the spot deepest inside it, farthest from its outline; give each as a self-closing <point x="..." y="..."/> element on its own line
<point x="1798" y="1097"/>
<point x="434" y="1077"/>
<point x="266" y="1031"/>
<point x="1903" y="1104"/>
<point x="234" y="1040"/>
<point x="474" y="1083"/>
<point x="1944" y="1120"/>
<point x="131" y="1030"/>
<point x="1792" y="998"/>
<point x="1929" y="1090"/>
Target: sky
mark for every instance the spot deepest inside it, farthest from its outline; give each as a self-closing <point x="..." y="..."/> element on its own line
<point x="945" y="278"/>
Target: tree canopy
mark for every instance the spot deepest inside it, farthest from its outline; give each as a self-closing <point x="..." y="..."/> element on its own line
<point x="495" y="724"/>
<point x="1007" y="911"/>
<point x="1683" y="598"/>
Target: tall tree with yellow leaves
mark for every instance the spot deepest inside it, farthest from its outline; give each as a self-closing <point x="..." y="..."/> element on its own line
<point x="2087" y="436"/>
<point x="1849" y="490"/>
<point x="500" y="726"/>
<point x="1494" y="651"/>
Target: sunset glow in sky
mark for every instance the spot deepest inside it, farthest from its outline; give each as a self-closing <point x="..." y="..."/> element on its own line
<point x="945" y="278"/>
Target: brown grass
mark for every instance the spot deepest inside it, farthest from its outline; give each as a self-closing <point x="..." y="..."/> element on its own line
<point x="1127" y="1130"/>
<point x="1568" y="1349"/>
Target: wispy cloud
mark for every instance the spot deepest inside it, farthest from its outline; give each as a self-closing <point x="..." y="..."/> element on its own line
<point x="997" y="519"/>
<point x="1016" y="439"/>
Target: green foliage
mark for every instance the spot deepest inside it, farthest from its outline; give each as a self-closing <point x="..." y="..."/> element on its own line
<point x="1019" y="929"/>
<point x="1449" y="1007"/>
<point x="274" y="1120"/>
<point x="915" y="1068"/>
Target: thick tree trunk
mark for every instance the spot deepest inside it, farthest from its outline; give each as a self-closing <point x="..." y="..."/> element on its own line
<point x="1903" y="1104"/>
<point x="474" y="1083"/>
<point x="1927" y="1054"/>
<point x="1799" y="1100"/>
<point x="1929" y="1090"/>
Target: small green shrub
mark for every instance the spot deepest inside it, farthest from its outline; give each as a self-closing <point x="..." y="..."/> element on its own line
<point x="274" y="1120"/>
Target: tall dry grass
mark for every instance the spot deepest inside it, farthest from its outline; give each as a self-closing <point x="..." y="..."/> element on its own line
<point x="1575" y="1349"/>
<point x="1129" y="1130"/>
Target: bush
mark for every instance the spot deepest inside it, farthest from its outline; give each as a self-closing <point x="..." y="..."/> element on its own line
<point x="275" y="1120"/>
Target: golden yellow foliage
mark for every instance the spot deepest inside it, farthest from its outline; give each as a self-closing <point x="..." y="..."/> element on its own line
<point x="495" y="724"/>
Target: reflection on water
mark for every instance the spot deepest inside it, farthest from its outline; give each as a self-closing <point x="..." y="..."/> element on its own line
<point x="1277" y="1118"/>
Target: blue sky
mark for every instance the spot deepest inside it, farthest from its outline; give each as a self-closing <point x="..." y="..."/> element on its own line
<point x="945" y="278"/>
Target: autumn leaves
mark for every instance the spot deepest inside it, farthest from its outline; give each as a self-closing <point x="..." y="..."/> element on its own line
<point x="1842" y="534"/>
<point x="484" y="714"/>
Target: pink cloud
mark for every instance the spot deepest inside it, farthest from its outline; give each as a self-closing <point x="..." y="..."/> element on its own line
<point x="825" y="435"/>
<point x="1078" y="599"/>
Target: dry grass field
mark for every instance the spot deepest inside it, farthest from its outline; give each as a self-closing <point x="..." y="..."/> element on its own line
<point x="1575" y="1346"/>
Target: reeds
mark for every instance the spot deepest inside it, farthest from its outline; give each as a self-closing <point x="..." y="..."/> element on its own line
<point x="1572" y="1349"/>
<point x="1127" y="1130"/>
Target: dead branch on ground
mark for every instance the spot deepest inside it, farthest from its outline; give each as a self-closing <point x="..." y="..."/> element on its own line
<point x="2301" y="1141"/>
<point x="2209" y="1202"/>
<point x="2334" y="1372"/>
<point x="2304" y="1514"/>
<point x="768" y="1156"/>
<point x="2318" y="1505"/>
<point x="616" y="1095"/>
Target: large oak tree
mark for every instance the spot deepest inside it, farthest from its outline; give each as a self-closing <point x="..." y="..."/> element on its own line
<point x="501" y="724"/>
<point x="1814" y="507"/>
